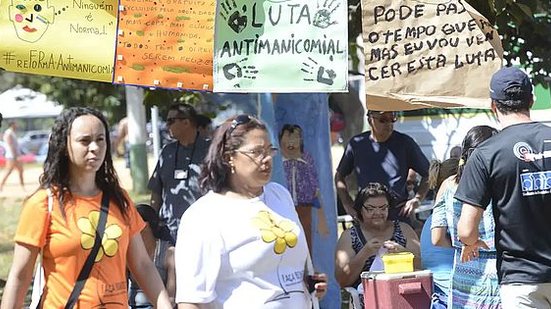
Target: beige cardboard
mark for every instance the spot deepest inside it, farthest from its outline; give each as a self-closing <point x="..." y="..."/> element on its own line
<point x="398" y="78"/>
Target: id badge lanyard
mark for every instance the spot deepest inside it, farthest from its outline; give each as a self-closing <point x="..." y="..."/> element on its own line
<point x="189" y="161"/>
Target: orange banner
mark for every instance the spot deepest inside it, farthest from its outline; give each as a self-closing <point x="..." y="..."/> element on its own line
<point x="165" y="43"/>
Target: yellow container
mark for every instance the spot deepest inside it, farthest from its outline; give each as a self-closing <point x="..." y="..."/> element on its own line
<point x="398" y="262"/>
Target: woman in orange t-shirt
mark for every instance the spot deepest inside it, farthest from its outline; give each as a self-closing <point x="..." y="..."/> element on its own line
<point x="79" y="171"/>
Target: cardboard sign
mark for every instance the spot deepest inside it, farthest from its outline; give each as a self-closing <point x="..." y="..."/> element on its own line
<point x="422" y="54"/>
<point x="281" y="46"/>
<point x="66" y="38"/>
<point x="165" y="43"/>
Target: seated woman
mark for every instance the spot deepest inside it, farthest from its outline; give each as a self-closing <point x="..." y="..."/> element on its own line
<point x="358" y="246"/>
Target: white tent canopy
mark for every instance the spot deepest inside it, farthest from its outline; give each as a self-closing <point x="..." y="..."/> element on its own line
<point x="26" y="103"/>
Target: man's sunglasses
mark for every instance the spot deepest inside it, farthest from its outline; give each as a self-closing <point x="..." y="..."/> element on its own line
<point x="384" y="119"/>
<point x="171" y="120"/>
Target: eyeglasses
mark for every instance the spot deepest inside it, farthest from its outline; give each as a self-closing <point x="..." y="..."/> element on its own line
<point x="171" y="120"/>
<point x="239" y="120"/>
<point x="382" y="119"/>
<point x="372" y="208"/>
<point x="259" y="154"/>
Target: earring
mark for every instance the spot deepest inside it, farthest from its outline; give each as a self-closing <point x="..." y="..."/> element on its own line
<point x="232" y="167"/>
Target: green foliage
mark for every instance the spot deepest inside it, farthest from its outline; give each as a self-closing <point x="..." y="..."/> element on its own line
<point x="525" y="30"/>
<point x="163" y="99"/>
<point x="73" y="92"/>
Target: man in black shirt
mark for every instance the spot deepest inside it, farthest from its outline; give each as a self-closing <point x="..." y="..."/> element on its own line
<point x="512" y="170"/>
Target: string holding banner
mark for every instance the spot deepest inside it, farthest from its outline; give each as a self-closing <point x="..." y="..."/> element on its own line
<point x="427" y="54"/>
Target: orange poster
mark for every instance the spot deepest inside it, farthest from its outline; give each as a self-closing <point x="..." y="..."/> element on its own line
<point x="165" y="43"/>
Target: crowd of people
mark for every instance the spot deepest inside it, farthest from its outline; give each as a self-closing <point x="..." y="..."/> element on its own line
<point x="218" y="233"/>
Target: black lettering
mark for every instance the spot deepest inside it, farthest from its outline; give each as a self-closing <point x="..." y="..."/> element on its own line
<point x="405" y="11"/>
<point x="411" y="47"/>
<point x="395" y="68"/>
<point x="411" y="67"/>
<point x="370" y="73"/>
<point x="254" y="23"/>
<point x="375" y="54"/>
<point x="470" y="41"/>
<point x="373" y="37"/>
<point x="272" y="21"/>
<point x="292" y="6"/>
<point x="458" y="62"/>
<point x="378" y="11"/>
<point x="433" y="44"/>
<point x="304" y="13"/>
<point x="419" y="10"/>
<point x="471" y="25"/>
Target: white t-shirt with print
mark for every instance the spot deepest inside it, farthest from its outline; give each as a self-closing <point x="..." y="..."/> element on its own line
<point x="242" y="253"/>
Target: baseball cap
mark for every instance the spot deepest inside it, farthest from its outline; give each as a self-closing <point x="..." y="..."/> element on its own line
<point x="510" y="83"/>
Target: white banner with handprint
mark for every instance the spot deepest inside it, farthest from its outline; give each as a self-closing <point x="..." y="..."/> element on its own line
<point x="281" y="46"/>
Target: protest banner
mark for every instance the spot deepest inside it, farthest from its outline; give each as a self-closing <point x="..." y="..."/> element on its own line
<point x="165" y="43"/>
<point x="431" y="53"/>
<point x="281" y="46"/>
<point x="66" y="38"/>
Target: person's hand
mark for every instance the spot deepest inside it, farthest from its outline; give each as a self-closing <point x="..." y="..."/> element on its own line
<point x="372" y="246"/>
<point x="393" y="247"/>
<point x="409" y="207"/>
<point x="470" y="252"/>
<point x="321" y="284"/>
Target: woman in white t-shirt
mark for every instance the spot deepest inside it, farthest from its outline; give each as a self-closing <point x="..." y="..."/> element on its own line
<point x="241" y="245"/>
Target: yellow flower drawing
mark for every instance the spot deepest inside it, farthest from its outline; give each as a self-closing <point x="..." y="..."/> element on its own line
<point x="282" y="233"/>
<point x="109" y="243"/>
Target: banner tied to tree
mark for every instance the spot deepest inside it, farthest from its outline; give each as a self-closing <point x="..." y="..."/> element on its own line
<point x="431" y="53"/>
<point x="72" y="39"/>
<point x="165" y="43"/>
<point x="281" y="46"/>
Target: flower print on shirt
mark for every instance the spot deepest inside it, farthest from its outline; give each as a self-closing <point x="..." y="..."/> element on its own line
<point x="281" y="233"/>
<point x="110" y="240"/>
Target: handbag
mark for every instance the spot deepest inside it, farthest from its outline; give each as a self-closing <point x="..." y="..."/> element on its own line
<point x="86" y="268"/>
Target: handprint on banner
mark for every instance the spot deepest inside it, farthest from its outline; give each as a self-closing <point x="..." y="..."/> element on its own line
<point x="236" y="20"/>
<point x="322" y="18"/>
<point x="324" y="76"/>
<point x="234" y="70"/>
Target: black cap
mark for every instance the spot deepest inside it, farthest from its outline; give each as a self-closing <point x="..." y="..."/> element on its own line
<point x="510" y="83"/>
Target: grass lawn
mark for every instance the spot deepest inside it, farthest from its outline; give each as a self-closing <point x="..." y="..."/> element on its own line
<point x="10" y="209"/>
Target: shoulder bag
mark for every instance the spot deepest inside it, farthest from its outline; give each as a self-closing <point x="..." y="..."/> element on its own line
<point x="38" y="284"/>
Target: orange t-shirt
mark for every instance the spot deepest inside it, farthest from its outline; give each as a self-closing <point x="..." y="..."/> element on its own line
<point x="68" y="242"/>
